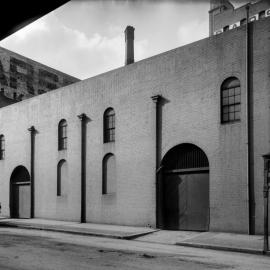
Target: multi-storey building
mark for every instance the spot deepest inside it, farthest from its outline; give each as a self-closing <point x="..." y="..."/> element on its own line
<point x="21" y="78"/>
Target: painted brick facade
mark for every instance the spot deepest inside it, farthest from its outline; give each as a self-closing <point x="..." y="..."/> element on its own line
<point x="189" y="80"/>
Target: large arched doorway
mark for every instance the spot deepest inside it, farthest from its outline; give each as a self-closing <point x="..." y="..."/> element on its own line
<point x="184" y="189"/>
<point x="20" y="195"/>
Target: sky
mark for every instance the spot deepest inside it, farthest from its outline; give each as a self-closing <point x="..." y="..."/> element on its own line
<point x="84" y="38"/>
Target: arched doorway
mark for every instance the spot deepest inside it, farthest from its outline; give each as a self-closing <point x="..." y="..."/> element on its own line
<point x="20" y="195"/>
<point x="184" y="189"/>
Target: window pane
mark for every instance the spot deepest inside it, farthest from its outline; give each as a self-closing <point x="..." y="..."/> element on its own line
<point x="225" y="101"/>
<point x="109" y="125"/>
<point x="237" y="91"/>
<point x="2" y="147"/>
<point x="237" y="108"/>
<point x="225" y="117"/>
<point x="237" y="99"/>
<point x="64" y="143"/>
<point x="225" y="93"/>
<point x="226" y="109"/>
<point x="231" y="83"/>
<point x="231" y="109"/>
<point x="231" y="100"/>
<point x="231" y="92"/>
<point x="64" y="131"/>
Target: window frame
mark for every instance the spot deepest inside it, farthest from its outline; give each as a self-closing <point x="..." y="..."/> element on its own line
<point x="2" y="147"/>
<point x="236" y="104"/>
<point x="62" y="135"/>
<point x="109" y="125"/>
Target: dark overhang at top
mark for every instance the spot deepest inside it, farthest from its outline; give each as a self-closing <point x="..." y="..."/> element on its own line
<point x="21" y="13"/>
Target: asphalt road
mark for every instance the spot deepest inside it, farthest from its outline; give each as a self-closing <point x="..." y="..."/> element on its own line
<point x="37" y="250"/>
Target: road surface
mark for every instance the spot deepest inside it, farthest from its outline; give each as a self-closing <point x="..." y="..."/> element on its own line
<point x="39" y="250"/>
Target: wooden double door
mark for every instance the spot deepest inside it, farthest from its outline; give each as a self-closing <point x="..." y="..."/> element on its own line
<point x="21" y="201"/>
<point x="186" y="201"/>
<point x="20" y="193"/>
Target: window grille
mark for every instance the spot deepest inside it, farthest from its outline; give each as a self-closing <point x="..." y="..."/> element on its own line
<point x="230" y="100"/>
<point x="185" y="156"/>
<point x="2" y="147"/>
<point x="62" y="135"/>
<point x="109" y="125"/>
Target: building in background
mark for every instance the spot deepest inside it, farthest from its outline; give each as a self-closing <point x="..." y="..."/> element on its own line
<point x="223" y="16"/>
<point x="22" y="78"/>
<point x="174" y="141"/>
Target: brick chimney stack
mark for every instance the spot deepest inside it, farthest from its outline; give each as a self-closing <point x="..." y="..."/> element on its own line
<point x="129" y="39"/>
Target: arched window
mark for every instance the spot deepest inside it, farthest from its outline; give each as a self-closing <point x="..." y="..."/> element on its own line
<point x="61" y="173"/>
<point x="108" y="174"/>
<point x="230" y="100"/>
<point x="2" y="147"/>
<point x="109" y="125"/>
<point x="62" y="135"/>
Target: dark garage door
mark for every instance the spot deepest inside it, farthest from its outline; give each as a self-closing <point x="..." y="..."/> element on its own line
<point x="184" y="189"/>
<point x="186" y="201"/>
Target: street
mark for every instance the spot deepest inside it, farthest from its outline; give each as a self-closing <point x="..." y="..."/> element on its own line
<point x="33" y="249"/>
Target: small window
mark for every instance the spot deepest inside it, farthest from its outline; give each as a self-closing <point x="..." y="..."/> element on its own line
<point x="230" y="100"/>
<point x="243" y="21"/>
<point x="226" y="28"/>
<point x="62" y="135"/>
<point x="262" y="14"/>
<point x="60" y="175"/>
<point x="2" y="147"/>
<point x="108" y="174"/>
<point x="109" y="125"/>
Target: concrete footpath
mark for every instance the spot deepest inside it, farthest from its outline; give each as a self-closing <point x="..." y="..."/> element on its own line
<point x="101" y="230"/>
<point x="252" y="244"/>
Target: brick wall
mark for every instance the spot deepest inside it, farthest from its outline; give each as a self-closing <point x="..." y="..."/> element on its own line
<point x="189" y="79"/>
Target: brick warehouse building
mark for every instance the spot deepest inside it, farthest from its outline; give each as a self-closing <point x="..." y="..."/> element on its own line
<point x="173" y="141"/>
<point x="22" y="78"/>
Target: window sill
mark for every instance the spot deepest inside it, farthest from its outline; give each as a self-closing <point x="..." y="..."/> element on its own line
<point x="109" y="142"/>
<point x="231" y="122"/>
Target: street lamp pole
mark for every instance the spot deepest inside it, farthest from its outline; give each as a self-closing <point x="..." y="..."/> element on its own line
<point x="265" y="197"/>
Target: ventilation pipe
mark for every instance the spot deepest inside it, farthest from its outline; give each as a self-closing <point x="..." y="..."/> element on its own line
<point x="129" y="39"/>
